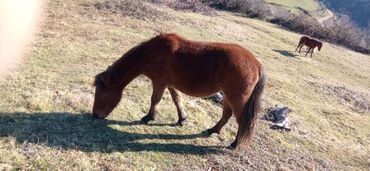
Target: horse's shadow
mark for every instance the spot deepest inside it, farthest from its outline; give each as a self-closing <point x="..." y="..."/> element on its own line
<point x="83" y="132"/>
<point x="290" y="54"/>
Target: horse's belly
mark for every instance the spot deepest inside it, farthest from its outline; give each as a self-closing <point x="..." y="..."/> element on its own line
<point x="197" y="89"/>
<point x="197" y="82"/>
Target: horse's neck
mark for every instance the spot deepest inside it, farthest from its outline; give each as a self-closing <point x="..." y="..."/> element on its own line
<point x="125" y="70"/>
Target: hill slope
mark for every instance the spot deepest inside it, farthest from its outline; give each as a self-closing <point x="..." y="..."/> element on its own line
<point x="44" y="120"/>
<point x="307" y="7"/>
<point x="358" y="10"/>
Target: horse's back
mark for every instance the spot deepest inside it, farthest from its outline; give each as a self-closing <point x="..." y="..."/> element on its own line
<point x="304" y="39"/>
<point x="201" y="68"/>
<point x="210" y="57"/>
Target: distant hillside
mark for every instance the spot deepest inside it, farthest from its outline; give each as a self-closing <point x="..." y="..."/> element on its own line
<point x="310" y="8"/>
<point x="309" y="17"/>
<point x="293" y="5"/>
<point x="357" y="10"/>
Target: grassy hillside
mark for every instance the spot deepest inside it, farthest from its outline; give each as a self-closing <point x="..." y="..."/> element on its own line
<point x="45" y="102"/>
<point x="308" y="5"/>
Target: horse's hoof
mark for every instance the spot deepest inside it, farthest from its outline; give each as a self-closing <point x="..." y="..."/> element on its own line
<point x="233" y="145"/>
<point x="212" y="131"/>
<point x="145" y="120"/>
<point x="205" y="133"/>
<point x="181" y="122"/>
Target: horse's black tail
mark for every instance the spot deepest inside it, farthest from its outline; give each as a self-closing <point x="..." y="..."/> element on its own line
<point x="251" y="109"/>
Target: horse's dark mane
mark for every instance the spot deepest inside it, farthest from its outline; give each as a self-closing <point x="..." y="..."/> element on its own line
<point x="98" y="80"/>
<point x="166" y="39"/>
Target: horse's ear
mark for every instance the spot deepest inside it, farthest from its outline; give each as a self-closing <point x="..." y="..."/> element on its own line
<point x="173" y="44"/>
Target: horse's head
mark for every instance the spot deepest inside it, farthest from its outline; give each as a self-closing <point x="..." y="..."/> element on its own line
<point x="319" y="46"/>
<point x="106" y="96"/>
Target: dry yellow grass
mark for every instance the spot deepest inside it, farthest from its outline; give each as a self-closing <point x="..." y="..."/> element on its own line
<point x="45" y="103"/>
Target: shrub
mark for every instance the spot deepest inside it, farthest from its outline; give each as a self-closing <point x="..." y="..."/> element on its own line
<point x="197" y="6"/>
<point x="138" y="9"/>
<point x="252" y="8"/>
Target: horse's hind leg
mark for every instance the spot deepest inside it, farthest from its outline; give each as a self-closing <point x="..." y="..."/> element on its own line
<point x="308" y="51"/>
<point x="245" y="118"/>
<point x="176" y="97"/>
<point x="238" y="112"/>
<point x="226" y="114"/>
<point x="156" y="97"/>
<point x="312" y="51"/>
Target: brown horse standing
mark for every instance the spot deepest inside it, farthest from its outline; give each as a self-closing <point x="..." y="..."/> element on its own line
<point x="311" y="43"/>
<point x="198" y="69"/>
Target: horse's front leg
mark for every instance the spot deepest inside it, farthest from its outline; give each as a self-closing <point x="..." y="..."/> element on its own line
<point x="158" y="90"/>
<point x="300" y="48"/>
<point x="176" y="97"/>
<point x="297" y="47"/>
<point x="226" y="114"/>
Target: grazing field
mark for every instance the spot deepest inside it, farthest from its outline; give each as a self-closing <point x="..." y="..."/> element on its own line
<point x="308" y="5"/>
<point x="45" y="105"/>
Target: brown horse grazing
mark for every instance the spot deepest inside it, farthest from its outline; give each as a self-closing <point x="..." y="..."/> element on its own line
<point x="197" y="69"/>
<point x="311" y="43"/>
